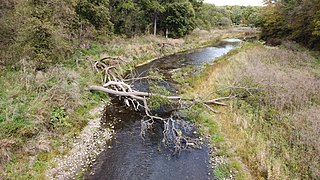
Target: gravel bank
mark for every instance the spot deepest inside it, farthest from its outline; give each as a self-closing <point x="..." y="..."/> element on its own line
<point x="86" y="147"/>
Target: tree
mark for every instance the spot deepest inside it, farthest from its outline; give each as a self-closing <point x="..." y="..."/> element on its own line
<point x="96" y="12"/>
<point x="209" y="17"/>
<point x="196" y="4"/>
<point x="236" y="15"/>
<point x="255" y="19"/>
<point x="179" y="18"/>
<point x="42" y="37"/>
<point x="273" y="21"/>
<point x="292" y="19"/>
<point x="157" y="8"/>
<point x="316" y="22"/>
<point x="7" y="30"/>
<point x="48" y="31"/>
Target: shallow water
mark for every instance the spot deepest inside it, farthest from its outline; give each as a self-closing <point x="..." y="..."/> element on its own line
<point x="128" y="156"/>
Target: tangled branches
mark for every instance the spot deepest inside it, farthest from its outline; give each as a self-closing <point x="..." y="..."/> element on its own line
<point x="110" y="68"/>
<point x="116" y="85"/>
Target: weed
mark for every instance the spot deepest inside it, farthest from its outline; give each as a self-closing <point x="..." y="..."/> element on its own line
<point x="222" y="171"/>
<point x="59" y="117"/>
<point x="157" y="101"/>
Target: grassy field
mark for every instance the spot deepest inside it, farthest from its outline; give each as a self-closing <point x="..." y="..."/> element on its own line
<point x="271" y="129"/>
<point x="42" y="111"/>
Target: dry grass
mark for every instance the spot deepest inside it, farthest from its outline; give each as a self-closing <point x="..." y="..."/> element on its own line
<point x="273" y="124"/>
<point x="284" y="76"/>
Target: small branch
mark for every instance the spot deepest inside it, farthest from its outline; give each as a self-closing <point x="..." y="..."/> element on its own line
<point x="210" y="108"/>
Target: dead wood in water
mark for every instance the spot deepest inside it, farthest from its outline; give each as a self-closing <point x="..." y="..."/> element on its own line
<point x="144" y="95"/>
<point x="115" y="84"/>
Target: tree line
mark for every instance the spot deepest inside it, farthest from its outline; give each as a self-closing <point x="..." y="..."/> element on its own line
<point x="48" y="31"/>
<point x="211" y="16"/>
<point x="297" y="20"/>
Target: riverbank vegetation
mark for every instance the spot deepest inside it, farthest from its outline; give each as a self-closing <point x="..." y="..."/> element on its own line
<point x="48" y="48"/>
<point x="41" y="111"/>
<point x="272" y="125"/>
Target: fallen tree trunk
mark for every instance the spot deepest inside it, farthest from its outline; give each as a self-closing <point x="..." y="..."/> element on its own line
<point x="138" y="94"/>
<point x="115" y="84"/>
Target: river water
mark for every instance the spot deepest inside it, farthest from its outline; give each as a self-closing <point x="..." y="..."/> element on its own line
<point x="128" y="157"/>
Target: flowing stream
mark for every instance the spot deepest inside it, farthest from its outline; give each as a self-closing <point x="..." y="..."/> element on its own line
<point x="128" y="157"/>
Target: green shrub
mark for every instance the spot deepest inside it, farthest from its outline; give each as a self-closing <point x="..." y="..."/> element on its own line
<point x="59" y="117"/>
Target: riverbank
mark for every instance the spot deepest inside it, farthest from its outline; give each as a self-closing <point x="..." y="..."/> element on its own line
<point x="44" y="111"/>
<point x="270" y="129"/>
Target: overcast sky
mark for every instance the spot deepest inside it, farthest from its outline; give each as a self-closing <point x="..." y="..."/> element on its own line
<point x="235" y="2"/>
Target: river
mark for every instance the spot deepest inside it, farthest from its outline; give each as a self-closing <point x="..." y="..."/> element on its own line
<point x="128" y="156"/>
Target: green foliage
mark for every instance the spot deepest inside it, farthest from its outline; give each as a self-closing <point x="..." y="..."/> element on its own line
<point x="222" y="171"/>
<point x="155" y="75"/>
<point x="59" y="117"/>
<point x="159" y="90"/>
<point x="185" y="77"/>
<point x="157" y="101"/>
<point x="293" y="19"/>
<point x="236" y="15"/>
<point x="39" y="43"/>
<point x="48" y="32"/>
<point x="316" y="22"/>
<point x="7" y="32"/>
<point x="97" y="13"/>
<point x="37" y="33"/>
<point x="137" y="17"/>
<point x="255" y="19"/>
<point x="12" y="128"/>
<point x="209" y="16"/>
<point x="127" y="17"/>
<point x="179" y="18"/>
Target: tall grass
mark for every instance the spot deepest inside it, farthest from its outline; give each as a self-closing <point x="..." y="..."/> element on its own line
<point x="38" y="110"/>
<point x="276" y="112"/>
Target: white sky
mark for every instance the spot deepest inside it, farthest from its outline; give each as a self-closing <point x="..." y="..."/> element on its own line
<point x="235" y="2"/>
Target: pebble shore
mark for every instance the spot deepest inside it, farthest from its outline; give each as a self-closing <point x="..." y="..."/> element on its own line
<point x="86" y="147"/>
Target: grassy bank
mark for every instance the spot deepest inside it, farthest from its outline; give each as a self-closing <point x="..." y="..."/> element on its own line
<point x="271" y="129"/>
<point x="42" y="111"/>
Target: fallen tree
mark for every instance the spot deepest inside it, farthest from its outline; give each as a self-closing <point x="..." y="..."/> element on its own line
<point x="114" y="84"/>
<point x="142" y="95"/>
